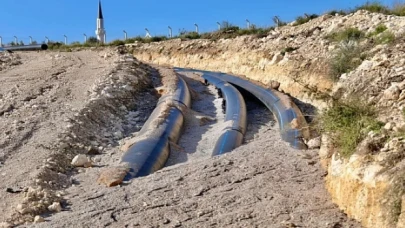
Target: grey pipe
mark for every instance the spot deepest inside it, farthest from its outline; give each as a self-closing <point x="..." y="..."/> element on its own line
<point x="293" y="126"/>
<point x="151" y="151"/>
<point x="34" y="47"/>
<point x="235" y="114"/>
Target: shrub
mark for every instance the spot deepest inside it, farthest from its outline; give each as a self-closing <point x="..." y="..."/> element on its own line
<point x="117" y="43"/>
<point x="190" y="35"/>
<point x="348" y="122"/>
<point x="385" y="38"/>
<point x="398" y="8"/>
<point x="339" y="12"/>
<point x="302" y="20"/>
<point x="287" y="50"/>
<point x="346" y="35"/>
<point x="375" y="7"/>
<point x="347" y="58"/>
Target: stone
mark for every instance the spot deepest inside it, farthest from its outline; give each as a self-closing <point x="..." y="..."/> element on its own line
<point x="276" y="59"/>
<point x="55" y="207"/>
<point x="392" y="93"/>
<point x="80" y="160"/>
<point x="38" y="219"/>
<point x="314" y="143"/>
<point x="326" y="150"/>
<point x="274" y="84"/>
<point x="5" y="225"/>
<point x="113" y="176"/>
<point x="389" y="126"/>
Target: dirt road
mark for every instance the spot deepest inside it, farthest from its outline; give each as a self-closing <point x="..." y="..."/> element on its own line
<point x="36" y="99"/>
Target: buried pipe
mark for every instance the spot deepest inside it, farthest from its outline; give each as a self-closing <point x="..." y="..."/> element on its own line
<point x="34" y="47"/>
<point x="292" y="124"/>
<point x="151" y="148"/>
<point x="235" y="116"/>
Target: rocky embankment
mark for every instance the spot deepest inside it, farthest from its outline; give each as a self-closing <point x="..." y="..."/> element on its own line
<point x="369" y="185"/>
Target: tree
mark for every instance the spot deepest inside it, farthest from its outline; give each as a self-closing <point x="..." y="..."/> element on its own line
<point x="21" y="43"/>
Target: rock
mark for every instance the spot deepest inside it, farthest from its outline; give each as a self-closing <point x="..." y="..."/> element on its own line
<point x="388" y="126"/>
<point x="392" y="93"/>
<point x="274" y="84"/>
<point x="276" y="59"/>
<point x="38" y="219"/>
<point x="5" y="225"/>
<point x="113" y="176"/>
<point x="55" y="207"/>
<point x="326" y="150"/>
<point x="314" y="143"/>
<point x="81" y="160"/>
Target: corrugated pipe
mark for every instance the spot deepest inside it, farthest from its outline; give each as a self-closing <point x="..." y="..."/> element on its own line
<point x="34" y="47"/>
<point x="235" y="116"/>
<point x="293" y="126"/>
<point x="150" y="152"/>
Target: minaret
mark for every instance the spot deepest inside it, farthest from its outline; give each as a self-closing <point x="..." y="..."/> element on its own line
<point x="100" y="32"/>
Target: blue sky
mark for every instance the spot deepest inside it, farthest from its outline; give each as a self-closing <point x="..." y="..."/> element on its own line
<point x="54" y="18"/>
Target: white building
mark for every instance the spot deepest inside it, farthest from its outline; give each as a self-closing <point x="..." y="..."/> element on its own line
<point x="100" y="32"/>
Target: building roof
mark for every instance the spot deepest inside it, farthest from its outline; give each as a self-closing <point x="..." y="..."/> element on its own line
<point x="100" y="11"/>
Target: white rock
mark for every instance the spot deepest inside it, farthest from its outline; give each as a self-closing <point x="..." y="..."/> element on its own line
<point x="38" y="219"/>
<point x="80" y="160"/>
<point x="389" y="126"/>
<point x="314" y="143"/>
<point x="55" y="207"/>
<point x="392" y="93"/>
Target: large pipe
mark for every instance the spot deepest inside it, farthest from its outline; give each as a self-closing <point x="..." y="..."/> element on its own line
<point x="34" y="47"/>
<point x="293" y="126"/>
<point x="235" y="115"/>
<point x="152" y="147"/>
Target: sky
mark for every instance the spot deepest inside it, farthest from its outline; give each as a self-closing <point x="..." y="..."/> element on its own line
<point x="73" y="18"/>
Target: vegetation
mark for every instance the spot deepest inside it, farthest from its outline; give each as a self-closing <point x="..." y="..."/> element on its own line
<point x="346" y="35"/>
<point x="288" y="49"/>
<point x="339" y="12"/>
<point x="349" y="123"/>
<point x="304" y="19"/>
<point x="346" y="58"/>
<point x="375" y="7"/>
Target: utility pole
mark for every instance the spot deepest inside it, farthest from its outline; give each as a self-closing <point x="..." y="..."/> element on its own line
<point x="1" y="41"/>
<point x="46" y="40"/>
<point x="277" y="21"/>
<point x="125" y="35"/>
<point x="30" y="39"/>
<point x="219" y="25"/>
<point x="170" y="32"/>
<point x="105" y="37"/>
<point x="65" y="39"/>
<point x="15" y="40"/>
<point x="196" y="28"/>
<point x="85" y="37"/>
<point x="247" y="24"/>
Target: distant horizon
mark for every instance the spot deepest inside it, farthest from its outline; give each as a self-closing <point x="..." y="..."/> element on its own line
<point x="74" y="18"/>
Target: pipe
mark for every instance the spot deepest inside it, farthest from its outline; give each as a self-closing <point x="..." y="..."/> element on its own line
<point x="150" y="152"/>
<point x="34" y="47"/>
<point x="235" y="115"/>
<point x="292" y="124"/>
